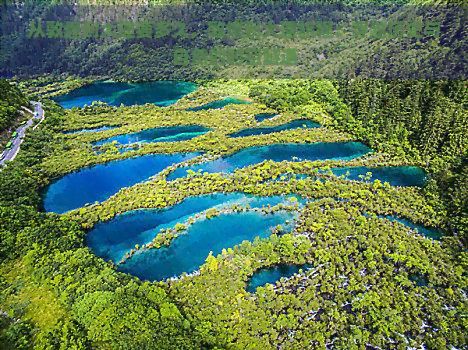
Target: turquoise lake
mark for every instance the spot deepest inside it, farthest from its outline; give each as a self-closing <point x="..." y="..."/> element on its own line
<point x="99" y="182"/>
<point x="425" y="231"/>
<point x="277" y="153"/>
<point x="270" y="275"/>
<point x="262" y="116"/>
<point x="188" y="252"/>
<point x="295" y="124"/>
<point x="102" y="128"/>
<point x="402" y="176"/>
<point x="141" y="226"/>
<point x="111" y="240"/>
<point x="162" y="134"/>
<point x="218" y="104"/>
<point x="161" y="93"/>
<point x="396" y="176"/>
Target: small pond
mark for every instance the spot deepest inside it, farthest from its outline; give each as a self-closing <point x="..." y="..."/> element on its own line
<point x="395" y="175"/>
<point x="425" y="231"/>
<point x="295" y="124"/>
<point x="162" y="134"/>
<point x="262" y="116"/>
<point x="273" y="274"/>
<point x="432" y="233"/>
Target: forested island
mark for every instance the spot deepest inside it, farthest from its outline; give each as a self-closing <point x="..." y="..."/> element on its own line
<point x="213" y="213"/>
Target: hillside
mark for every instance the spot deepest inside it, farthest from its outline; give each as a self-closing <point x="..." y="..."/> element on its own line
<point x="11" y="100"/>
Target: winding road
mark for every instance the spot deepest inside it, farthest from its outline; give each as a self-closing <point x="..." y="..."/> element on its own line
<point x="8" y="155"/>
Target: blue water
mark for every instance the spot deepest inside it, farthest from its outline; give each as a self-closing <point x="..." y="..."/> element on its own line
<point x="262" y="116"/>
<point x="188" y="252"/>
<point x="161" y="93"/>
<point x="425" y="231"/>
<point x="103" y="128"/>
<point x="278" y="153"/>
<point x="162" y="134"/>
<point x="295" y="124"/>
<point x="272" y="274"/>
<point x="396" y="176"/>
<point x="99" y="182"/>
<point x="112" y="239"/>
<point x="218" y="104"/>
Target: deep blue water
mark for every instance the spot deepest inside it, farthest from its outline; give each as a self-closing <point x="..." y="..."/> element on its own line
<point x="262" y="116"/>
<point x="99" y="182"/>
<point x="162" y="134"/>
<point x="272" y="274"/>
<point x="102" y="128"/>
<point x="278" y="153"/>
<point x="295" y="124"/>
<point x="396" y="176"/>
<point x="218" y="104"/>
<point x="161" y="93"/>
<point x="111" y="240"/>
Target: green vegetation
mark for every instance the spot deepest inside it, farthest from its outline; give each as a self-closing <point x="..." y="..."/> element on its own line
<point x="363" y="288"/>
<point x="139" y="59"/>
<point x="374" y="283"/>
<point x="11" y="113"/>
<point x="50" y="87"/>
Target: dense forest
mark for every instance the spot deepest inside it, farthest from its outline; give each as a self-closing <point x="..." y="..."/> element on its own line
<point x="11" y="101"/>
<point x="373" y="281"/>
<point x="58" y="295"/>
<point x="430" y="55"/>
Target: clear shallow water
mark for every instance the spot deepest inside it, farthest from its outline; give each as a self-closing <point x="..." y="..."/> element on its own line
<point x="111" y="240"/>
<point x="396" y="176"/>
<point x="278" y="153"/>
<point x="262" y="116"/>
<point x="162" y="134"/>
<point x="295" y="124"/>
<point x="102" y="128"/>
<point x="99" y="182"/>
<point x="161" y="93"/>
<point x="273" y="274"/>
<point x="218" y="104"/>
